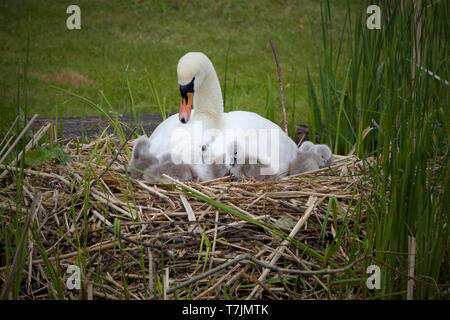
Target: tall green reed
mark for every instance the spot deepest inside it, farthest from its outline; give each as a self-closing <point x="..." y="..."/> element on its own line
<point x="390" y="84"/>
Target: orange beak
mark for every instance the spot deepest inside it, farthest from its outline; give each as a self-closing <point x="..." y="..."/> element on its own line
<point x="185" y="108"/>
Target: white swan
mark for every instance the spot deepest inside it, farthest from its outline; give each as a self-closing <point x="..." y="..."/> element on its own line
<point x="202" y="135"/>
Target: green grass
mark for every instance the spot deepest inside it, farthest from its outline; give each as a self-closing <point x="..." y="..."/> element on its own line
<point x="124" y="44"/>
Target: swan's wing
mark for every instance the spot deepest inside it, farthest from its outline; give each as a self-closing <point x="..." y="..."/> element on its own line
<point x="274" y="147"/>
<point x="164" y="138"/>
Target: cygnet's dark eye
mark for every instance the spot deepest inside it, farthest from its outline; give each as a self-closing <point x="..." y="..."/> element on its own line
<point x="322" y="156"/>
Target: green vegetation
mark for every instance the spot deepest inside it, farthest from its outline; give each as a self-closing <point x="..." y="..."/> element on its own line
<point x="133" y="47"/>
<point x="390" y="106"/>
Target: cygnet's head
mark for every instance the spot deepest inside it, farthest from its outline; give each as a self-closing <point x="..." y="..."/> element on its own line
<point x="325" y="154"/>
<point x="192" y="69"/>
<point x="141" y="158"/>
<point x="306" y="146"/>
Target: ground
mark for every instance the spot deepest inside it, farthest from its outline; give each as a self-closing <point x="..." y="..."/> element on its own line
<point x="90" y="127"/>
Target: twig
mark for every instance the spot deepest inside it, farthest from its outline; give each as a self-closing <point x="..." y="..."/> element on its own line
<point x="218" y="283"/>
<point x="183" y="185"/>
<point x="288" y="291"/>
<point x="207" y="273"/>
<point x="19" y="137"/>
<point x="116" y="156"/>
<point x="265" y="288"/>
<point x="411" y="264"/>
<point x="276" y="255"/>
<point x="38" y="173"/>
<point x="7" y="133"/>
<point x="309" y="272"/>
<point x="249" y="257"/>
<point x="159" y="194"/>
<point x="6" y="145"/>
<point x="213" y="251"/>
<point x="281" y="87"/>
<point x="150" y="271"/>
<point x="190" y="213"/>
<point x="166" y="283"/>
<point x="29" y="146"/>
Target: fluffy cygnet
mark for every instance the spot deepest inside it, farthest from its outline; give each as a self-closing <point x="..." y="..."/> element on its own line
<point x="141" y="158"/>
<point x="306" y="146"/>
<point x="305" y="161"/>
<point x="214" y="171"/>
<point x="181" y="171"/>
<point x="320" y="149"/>
<point x="248" y="170"/>
<point x="144" y="161"/>
<point x="215" y="163"/>
<point x="244" y="166"/>
<point x="325" y="154"/>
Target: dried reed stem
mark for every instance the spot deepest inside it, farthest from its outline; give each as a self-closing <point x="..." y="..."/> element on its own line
<point x="19" y="137"/>
<point x="276" y="255"/>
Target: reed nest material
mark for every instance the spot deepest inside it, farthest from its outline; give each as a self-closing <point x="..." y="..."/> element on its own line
<point x="173" y="244"/>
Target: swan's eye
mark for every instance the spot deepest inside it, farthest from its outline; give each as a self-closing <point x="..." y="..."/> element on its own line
<point x="184" y="89"/>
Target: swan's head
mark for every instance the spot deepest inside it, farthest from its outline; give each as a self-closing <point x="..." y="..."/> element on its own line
<point x="192" y="70"/>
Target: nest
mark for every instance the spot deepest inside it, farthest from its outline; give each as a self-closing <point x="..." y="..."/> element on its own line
<point x="186" y="240"/>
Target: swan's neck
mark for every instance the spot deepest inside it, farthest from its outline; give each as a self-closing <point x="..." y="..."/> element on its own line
<point x="208" y="103"/>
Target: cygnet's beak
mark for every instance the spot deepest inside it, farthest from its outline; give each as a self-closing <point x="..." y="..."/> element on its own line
<point x="185" y="107"/>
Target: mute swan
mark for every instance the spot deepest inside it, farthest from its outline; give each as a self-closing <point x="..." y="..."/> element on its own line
<point x="187" y="134"/>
